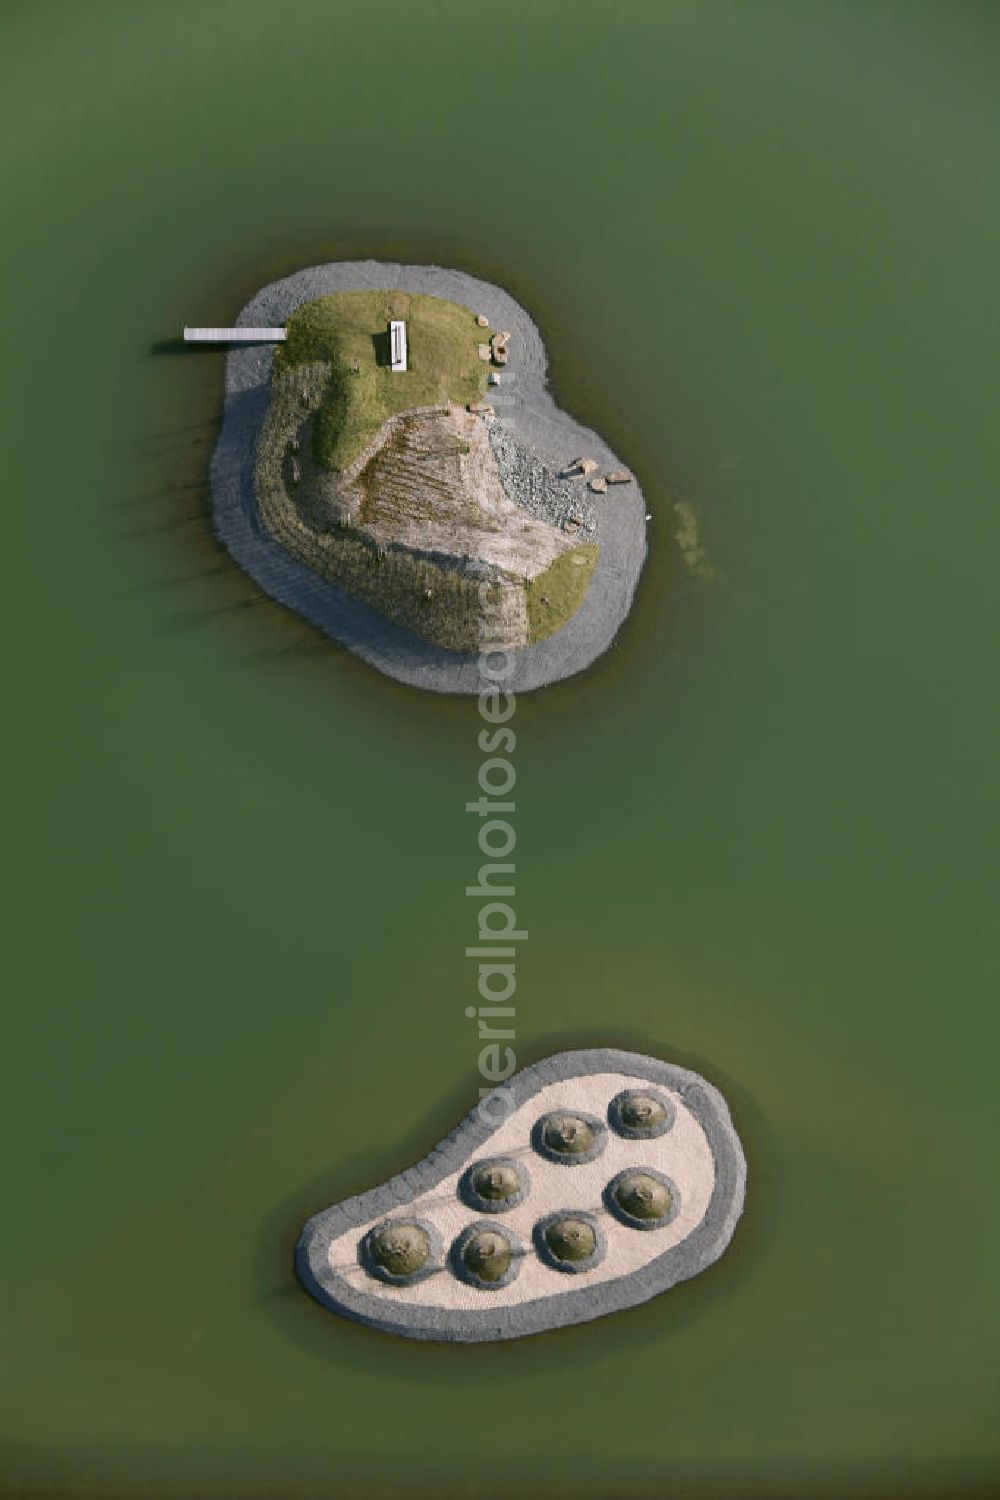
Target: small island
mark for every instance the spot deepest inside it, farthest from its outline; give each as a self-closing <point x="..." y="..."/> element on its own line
<point x="591" y="1182"/>
<point x="394" y="468"/>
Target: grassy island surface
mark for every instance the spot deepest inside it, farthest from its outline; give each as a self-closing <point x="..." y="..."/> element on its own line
<point x="386" y="483"/>
<point x="349" y="332"/>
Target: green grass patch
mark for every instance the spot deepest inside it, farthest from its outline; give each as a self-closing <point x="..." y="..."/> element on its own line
<point x="349" y="331"/>
<point x="556" y="594"/>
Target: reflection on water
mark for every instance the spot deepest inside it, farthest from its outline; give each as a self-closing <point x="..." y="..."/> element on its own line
<point x="688" y="538"/>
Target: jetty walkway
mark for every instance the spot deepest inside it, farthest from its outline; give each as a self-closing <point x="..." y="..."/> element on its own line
<point x="235" y="335"/>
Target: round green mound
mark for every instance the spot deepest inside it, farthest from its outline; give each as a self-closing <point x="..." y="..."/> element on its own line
<point x="570" y="1238"/>
<point x="642" y="1196"/>
<point x="400" y="1249"/>
<point x="487" y="1255"/>
<point x="641" y="1114"/>
<point x="496" y="1181"/>
<point x="641" y="1111"/>
<point x="569" y="1135"/>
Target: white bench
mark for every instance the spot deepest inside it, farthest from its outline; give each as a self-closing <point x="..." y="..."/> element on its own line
<point x="397" y="344"/>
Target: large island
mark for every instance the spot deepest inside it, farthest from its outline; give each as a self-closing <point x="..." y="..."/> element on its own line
<point x="422" y="501"/>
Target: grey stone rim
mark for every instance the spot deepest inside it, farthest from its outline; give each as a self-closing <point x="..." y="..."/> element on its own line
<point x="464" y="1273"/>
<point x="679" y="1262"/>
<point x="435" y="1256"/>
<point x="631" y="1220"/>
<point x="569" y="1267"/>
<point x="472" y="1199"/>
<point x="565" y="1158"/>
<point x="551" y="432"/>
<point x="632" y="1132"/>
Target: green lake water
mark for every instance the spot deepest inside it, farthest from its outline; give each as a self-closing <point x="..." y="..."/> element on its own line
<point x="761" y="240"/>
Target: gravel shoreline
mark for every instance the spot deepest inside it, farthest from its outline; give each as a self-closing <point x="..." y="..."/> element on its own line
<point x="544" y="440"/>
<point x="539" y="490"/>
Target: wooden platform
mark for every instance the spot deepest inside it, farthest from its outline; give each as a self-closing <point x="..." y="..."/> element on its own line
<point x="235" y="335"/>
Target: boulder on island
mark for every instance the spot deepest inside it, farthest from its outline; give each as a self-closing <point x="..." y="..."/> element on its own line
<point x="579" y="468"/>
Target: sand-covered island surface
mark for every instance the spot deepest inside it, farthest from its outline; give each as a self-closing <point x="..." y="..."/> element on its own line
<point x="420" y="516"/>
<point x="590" y="1182"/>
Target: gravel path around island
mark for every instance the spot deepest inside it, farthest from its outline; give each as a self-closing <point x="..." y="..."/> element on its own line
<point x="522" y="403"/>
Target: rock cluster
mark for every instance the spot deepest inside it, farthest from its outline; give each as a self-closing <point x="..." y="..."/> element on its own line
<point x="578" y="467"/>
<point x="539" y="489"/>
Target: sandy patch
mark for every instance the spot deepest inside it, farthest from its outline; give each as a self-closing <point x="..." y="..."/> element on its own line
<point x="683" y="1154"/>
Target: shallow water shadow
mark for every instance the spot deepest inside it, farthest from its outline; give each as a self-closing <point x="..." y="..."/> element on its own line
<point x="177" y="345"/>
